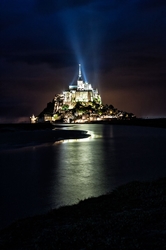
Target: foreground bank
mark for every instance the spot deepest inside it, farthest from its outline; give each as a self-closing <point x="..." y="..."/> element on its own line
<point x="131" y="217"/>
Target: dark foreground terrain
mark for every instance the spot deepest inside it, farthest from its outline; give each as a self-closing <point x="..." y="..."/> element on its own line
<point x="131" y="217"/>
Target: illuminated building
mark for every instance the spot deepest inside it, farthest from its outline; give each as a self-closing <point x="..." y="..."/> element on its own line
<point x="81" y="92"/>
<point x="80" y="103"/>
<point x="33" y="119"/>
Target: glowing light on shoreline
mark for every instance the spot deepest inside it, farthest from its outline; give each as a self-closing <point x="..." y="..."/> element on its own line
<point x="89" y="132"/>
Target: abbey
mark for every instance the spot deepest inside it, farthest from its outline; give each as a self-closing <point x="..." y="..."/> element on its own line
<point x="80" y="103"/>
<point x="80" y="92"/>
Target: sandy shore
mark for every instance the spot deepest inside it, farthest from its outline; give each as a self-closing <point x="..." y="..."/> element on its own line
<point x="131" y="217"/>
<point x="21" y="136"/>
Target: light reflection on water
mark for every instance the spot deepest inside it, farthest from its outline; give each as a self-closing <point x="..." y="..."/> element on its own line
<point x="82" y="162"/>
<point x="35" y="179"/>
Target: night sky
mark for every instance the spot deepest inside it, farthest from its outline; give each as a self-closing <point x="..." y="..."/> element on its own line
<point x="121" y="45"/>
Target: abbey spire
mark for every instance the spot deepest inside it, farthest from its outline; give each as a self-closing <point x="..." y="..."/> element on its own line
<point x="79" y="73"/>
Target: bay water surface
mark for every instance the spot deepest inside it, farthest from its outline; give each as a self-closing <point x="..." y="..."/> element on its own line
<point x="36" y="179"/>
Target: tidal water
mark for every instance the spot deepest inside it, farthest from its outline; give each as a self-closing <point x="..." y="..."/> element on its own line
<point x="34" y="180"/>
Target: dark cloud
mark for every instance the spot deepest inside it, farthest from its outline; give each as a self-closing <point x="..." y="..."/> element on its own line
<point x="50" y="6"/>
<point x="8" y="19"/>
<point x="121" y="44"/>
<point x="107" y="5"/>
<point x="151" y="4"/>
<point x="52" y="59"/>
<point x="150" y="61"/>
<point x="13" y="13"/>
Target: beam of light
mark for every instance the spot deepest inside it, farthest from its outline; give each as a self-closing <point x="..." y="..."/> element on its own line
<point x="84" y="36"/>
<point x="84" y="77"/>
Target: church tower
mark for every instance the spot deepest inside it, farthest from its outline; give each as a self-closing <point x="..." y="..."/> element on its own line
<point x="79" y="72"/>
<point x="80" y="83"/>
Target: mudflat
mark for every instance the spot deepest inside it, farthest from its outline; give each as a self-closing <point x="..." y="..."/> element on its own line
<point x="20" y="135"/>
